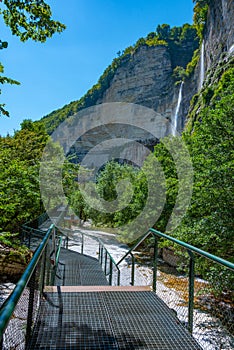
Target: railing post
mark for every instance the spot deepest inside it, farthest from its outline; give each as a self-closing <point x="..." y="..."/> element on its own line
<point x="82" y="243"/>
<point x="30" y="307"/>
<point x="110" y="276"/>
<point x="105" y="262"/>
<point x="54" y="248"/>
<point x="118" y="277"/>
<point x="191" y="290"/>
<point x="155" y="267"/>
<point x="99" y="252"/>
<point x="101" y="255"/>
<point x="44" y="269"/>
<point x="133" y="269"/>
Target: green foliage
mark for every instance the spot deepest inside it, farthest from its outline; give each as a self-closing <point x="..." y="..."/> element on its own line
<point x="163" y="155"/>
<point x="11" y="240"/>
<point x="112" y="175"/>
<point x="19" y="184"/>
<point x="193" y="63"/>
<point x="30" y="19"/>
<point x="27" y="19"/>
<point x="5" y="80"/>
<point x="221" y="279"/>
<point x="208" y="223"/>
<point x="179" y="74"/>
<point x="200" y="15"/>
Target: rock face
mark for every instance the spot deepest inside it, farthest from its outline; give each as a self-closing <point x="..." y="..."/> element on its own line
<point x="219" y="32"/>
<point x="146" y="79"/>
<point x="12" y="263"/>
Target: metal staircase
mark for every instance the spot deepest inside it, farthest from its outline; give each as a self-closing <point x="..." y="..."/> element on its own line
<point x="66" y="300"/>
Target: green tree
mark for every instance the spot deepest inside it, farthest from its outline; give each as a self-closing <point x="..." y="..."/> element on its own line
<point x="27" y="19"/>
<point x="200" y="15"/>
<point x="19" y="181"/>
<point x="163" y="31"/>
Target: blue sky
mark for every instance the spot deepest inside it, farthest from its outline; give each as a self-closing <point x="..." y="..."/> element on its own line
<point x="67" y="65"/>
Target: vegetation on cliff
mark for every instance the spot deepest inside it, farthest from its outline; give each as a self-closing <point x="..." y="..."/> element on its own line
<point x="181" y="43"/>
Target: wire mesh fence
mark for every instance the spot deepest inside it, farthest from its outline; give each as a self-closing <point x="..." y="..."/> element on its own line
<point x="19" y="311"/>
<point x="197" y="289"/>
<point x="211" y="305"/>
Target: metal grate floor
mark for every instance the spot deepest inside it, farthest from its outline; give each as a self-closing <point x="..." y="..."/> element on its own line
<point x="79" y="270"/>
<point x="108" y="320"/>
<point x="100" y="317"/>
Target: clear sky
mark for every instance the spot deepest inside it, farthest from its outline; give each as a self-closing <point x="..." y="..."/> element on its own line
<point x="67" y="65"/>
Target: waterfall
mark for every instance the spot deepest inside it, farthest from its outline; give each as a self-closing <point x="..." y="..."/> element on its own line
<point x="202" y="69"/>
<point x="177" y="110"/>
<point x="231" y="49"/>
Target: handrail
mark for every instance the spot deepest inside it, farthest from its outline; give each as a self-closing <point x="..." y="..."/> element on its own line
<point x="58" y="251"/>
<point x="35" y="230"/>
<point x="10" y="303"/>
<point x="141" y="239"/>
<point x="191" y="276"/>
<point x="37" y="219"/>
<point x="201" y="252"/>
<point x="103" y="245"/>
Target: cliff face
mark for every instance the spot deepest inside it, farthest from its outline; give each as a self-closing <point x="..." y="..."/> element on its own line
<point x="219" y="31"/>
<point x="146" y="79"/>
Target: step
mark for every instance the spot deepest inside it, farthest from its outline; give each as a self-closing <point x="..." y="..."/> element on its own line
<point x="79" y="289"/>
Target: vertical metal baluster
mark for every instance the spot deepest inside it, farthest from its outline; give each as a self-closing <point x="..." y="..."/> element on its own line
<point x="155" y="267"/>
<point x="133" y="270"/>
<point x="105" y="261"/>
<point x="30" y="307"/>
<point x="110" y="276"/>
<point x="118" y="277"/>
<point x="82" y="243"/>
<point x="191" y="290"/>
<point x="43" y="269"/>
<point x="99" y="252"/>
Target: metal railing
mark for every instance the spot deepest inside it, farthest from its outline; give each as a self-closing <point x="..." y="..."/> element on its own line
<point x="190" y="293"/>
<point x="19" y="311"/>
<point x="107" y="261"/>
<point x="105" y="258"/>
<point x="187" y="290"/>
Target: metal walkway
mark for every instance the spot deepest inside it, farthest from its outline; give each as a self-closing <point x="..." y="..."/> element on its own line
<point x="86" y="313"/>
<point x="79" y="270"/>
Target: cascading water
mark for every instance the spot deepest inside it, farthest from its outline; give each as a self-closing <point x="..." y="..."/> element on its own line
<point x="177" y="110"/>
<point x="231" y="49"/>
<point x="202" y="68"/>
